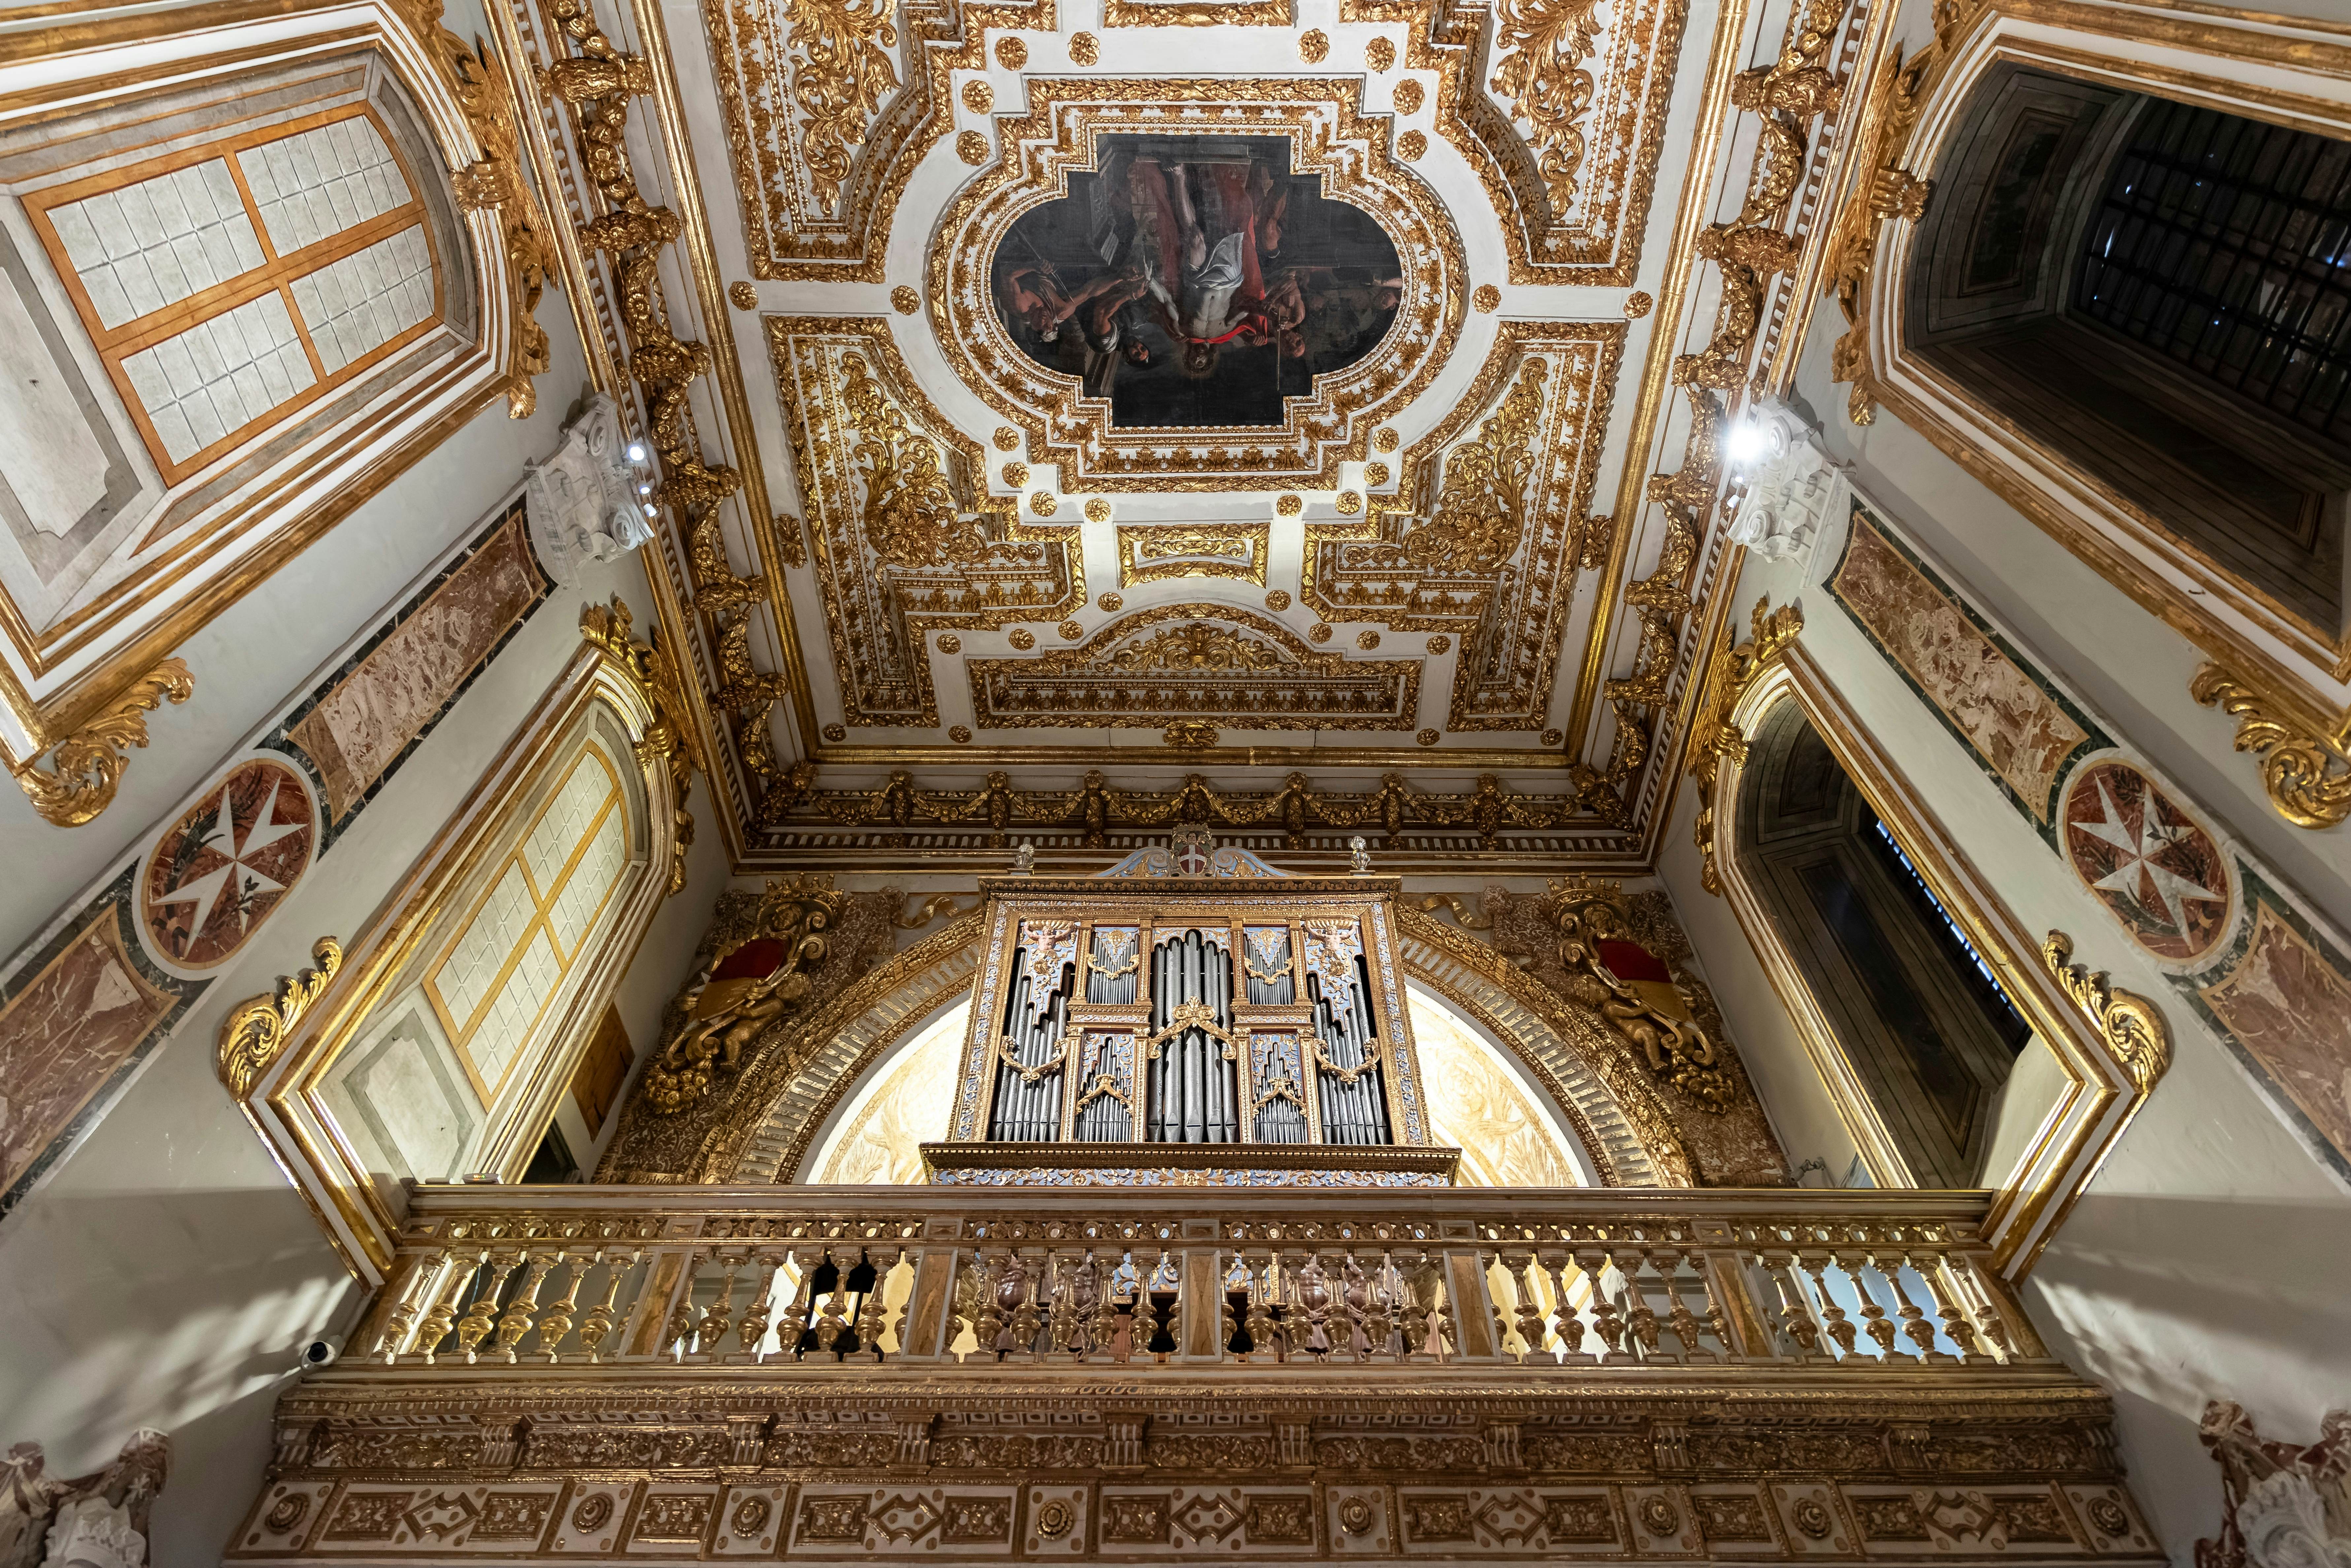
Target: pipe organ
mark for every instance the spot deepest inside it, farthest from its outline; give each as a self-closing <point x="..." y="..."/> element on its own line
<point x="1192" y="1015"/>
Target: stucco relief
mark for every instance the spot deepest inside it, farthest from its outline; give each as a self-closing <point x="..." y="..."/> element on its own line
<point x="2024" y="734"/>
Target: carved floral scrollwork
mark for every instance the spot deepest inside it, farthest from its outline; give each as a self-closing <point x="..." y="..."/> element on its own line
<point x="1544" y="79"/>
<point x="1714" y="739"/>
<point x="255" y="1031"/>
<point x="86" y="768"/>
<point x="669" y="738"/>
<point x="725" y="1011"/>
<point x="840" y="69"/>
<point x="2130" y="1024"/>
<point x="2307" y="775"/>
<point x="911" y="516"/>
<point x="1589" y="911"/>
<point x="1481" y="511"/>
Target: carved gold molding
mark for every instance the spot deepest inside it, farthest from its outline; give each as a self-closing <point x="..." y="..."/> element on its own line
<point x="86" y="768"/>
<point x="2129" y="1023"/>
<point x="2306" y="773"/>
<point x="1713" y="737"/>
<point x="495" y="184"/>
<point x="256" y="1030"/>
<point x="670" y="736"/>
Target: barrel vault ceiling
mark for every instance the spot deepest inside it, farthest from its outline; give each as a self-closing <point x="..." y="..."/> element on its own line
<point x="946" y="581"/>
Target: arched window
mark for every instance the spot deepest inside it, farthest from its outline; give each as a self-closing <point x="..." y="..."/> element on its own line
<point x="1931" y="1035"/>
<point x="2156" y="294"/>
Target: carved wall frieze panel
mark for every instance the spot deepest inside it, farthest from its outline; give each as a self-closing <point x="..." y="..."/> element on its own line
<point x="1492" y="524"/>
<point x="1061" y="131"/>
<point x="911" y="541"/>
<point x="1184" y="660"/>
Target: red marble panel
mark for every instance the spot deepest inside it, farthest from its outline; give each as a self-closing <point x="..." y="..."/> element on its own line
<point x="225" y="867"/>
<point x="2155" y="866"/>
<point x="2289" y="1007"/>
<point x="63" y="1035"/>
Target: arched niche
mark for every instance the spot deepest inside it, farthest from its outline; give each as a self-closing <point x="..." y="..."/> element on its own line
<point x="1541" y="1073"/>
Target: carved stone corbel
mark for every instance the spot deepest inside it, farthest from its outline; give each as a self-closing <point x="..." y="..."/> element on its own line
<point x="86" y="768"/>
<point x="1713" y="737"/>
<point x="2307" y="775"/>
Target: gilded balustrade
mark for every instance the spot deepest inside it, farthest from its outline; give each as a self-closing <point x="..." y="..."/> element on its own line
<point x="1558" y="1285"/>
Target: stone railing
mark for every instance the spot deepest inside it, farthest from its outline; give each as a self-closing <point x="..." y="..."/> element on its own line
<point x="1147" y="1280"/>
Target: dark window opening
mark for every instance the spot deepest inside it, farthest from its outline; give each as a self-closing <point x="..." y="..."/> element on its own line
<point x="2222" y="244"/>
<point x="1966" y="962"/>
<point x="552" y="1162"/>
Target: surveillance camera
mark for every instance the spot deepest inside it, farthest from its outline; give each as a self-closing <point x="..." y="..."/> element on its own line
<point x="323" y="1350"/>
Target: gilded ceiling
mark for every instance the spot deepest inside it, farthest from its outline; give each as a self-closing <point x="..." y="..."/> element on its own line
<point x="1071" y="413"/>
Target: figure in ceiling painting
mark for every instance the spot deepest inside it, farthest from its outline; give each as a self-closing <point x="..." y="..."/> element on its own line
<point x="1194" y="280"/>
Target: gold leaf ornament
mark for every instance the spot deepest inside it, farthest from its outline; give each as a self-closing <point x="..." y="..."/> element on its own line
<point x="1085" y="49"/>
<point x="1543" y="45"/>
<point x="2130" y="1024"/>
<point x="1481" y="507"/>
<point x="1011" y="54"/>
<point x="2307" y="775"/>
<point x="979" y="97"/>
<point x="1313" y="46"/>
<point x="1408" y="96"/>
<point x="256" y="1030"/>
<point x="1411" y="146"/>
<point x="840" y="72"/>
<point x="1380" y="53"/>
<point x="86" y="768"/>
<point x="904" y="300"/>
<point x="912" y="517"/>
<point x="972" y="148"/>
<point x="1714" y="739"/>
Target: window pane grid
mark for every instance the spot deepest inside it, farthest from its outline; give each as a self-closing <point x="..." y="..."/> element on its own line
<point x="512" y="956"/>
<point x="2223" y="243"/>
<point x="201" y="255"/>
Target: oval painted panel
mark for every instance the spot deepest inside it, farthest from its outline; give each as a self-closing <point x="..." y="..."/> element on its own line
<point x="225" y="867"/>
<point x="2157" y="869"/>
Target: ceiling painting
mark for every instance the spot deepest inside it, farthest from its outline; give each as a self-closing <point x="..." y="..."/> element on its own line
<point x="1259" y="369"/>
<point x="1192" y="410"/>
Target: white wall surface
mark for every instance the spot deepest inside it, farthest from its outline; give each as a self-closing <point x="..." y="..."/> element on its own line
<point x="2211" y="1256"/>
<point x="167" y="1273"/>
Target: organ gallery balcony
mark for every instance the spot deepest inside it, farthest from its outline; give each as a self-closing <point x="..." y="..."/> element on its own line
<point x="834" y="1375"/>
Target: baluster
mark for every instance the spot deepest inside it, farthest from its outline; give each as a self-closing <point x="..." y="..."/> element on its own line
<point x="1640" y="1320"/>
<point x="833" y="1320"/>
<point x="753" y="1329"/>
<point x="1717" y="1319"/>
<point x="1103" y="1344"/>
<point x="1026" y="1323"/>
<point x="794" y="1327"/>
<point x="1525" y="1305"/>
<point x="1488" y="1262"/>
<point x="1874" y="1319"/>
<point x="1595" y="1264"/>
<point x="1265" y="1277"/>
<point x="1840" y="1329"/>
<point x="1383" y="1323"/>
<point x="1988" y="1317"/>
<point x="681" y="1318"/>
<point x="601" y="1317"/>
<point x="1954" y="1317"/>
<point x="556" y="1322"/>
<point x="1177" y="1307"/>
<point x="422" y="1275"/>
<point x="1914" y="1326"/>
<point x="481" y="1315"/>
<point x="989" y="1326"/>
<point x="1417" y="1300"/>
<point x="1795" y="1317"/>
<point x="719" y="1316"/>
<point x="1684" y="1321"/>
<point x="442" y="1315"/>
<point x="520" y="1313"/>
<point x="1447" y="1311"/>
<point x="1566" y="1322"/>
<point x="868" y="1326"/>
<point x="903" y="1318"/>
<point x="1062" y="1329"/>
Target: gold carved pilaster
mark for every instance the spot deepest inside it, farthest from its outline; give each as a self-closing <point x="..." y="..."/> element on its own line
<point x="1713" y="737"/>
<point x="669" y="737"/>
<point x="86" y="768"/>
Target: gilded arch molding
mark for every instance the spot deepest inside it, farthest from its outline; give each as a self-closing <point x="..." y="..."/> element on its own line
<point x="805" y="1073"/>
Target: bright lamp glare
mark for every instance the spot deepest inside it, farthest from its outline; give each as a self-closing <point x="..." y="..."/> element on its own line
<point x="1746" y="442"/>
<point x="636" y="452"/>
